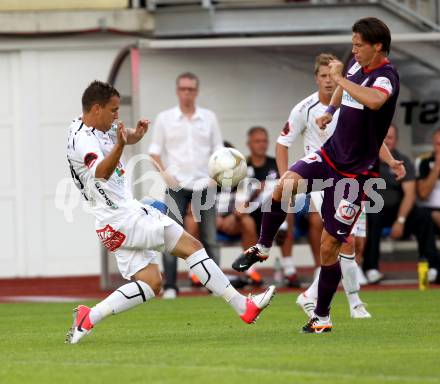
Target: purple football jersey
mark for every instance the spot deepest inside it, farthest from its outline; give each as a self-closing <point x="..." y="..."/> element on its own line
<point x="360" y="131"/>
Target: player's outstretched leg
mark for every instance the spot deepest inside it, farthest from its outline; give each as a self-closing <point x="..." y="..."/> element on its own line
<point x="256" y="253"/>
<point x="212" y="277"/>
<point x="270" y="223"/>
<point x="124" y="298"/>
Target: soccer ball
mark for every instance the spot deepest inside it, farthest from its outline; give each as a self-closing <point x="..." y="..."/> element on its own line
<point x="227" y="167"/>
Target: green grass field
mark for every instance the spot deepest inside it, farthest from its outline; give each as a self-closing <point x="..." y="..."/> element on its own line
<point x="200" y="340"/>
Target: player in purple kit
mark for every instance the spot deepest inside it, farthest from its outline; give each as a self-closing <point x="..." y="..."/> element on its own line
<point x="367" y="99"/>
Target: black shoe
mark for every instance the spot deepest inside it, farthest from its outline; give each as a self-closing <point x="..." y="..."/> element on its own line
<point x="314" y="325"/>
<point x="248" y="258"/>
<point x="238" y="282"/>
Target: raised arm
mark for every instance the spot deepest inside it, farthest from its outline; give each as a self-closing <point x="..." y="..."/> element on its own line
<point x="335" y="103"/>
<point x="136" y="134"/>
<point x="107" y="166"/>
<point x="372" y="98"/>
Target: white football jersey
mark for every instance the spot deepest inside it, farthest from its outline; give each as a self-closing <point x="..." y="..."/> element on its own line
<point x="86" y="148"/>
<point x="302" y="120"/>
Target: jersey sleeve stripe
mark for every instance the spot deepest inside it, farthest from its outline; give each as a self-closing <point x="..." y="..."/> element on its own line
<point x="383" y="90"/>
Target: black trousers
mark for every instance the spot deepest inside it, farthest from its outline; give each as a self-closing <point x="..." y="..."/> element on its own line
<point x="177" y="203"/>
<point x="419" y="223"/>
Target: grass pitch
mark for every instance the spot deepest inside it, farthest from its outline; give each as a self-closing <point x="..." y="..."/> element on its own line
<point x="200" y="340"/>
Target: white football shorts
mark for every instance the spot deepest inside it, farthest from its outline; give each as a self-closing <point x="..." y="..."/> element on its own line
<point x="139" y="239"/>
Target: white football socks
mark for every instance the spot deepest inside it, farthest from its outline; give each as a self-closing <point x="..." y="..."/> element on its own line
<point x="312" y="291"/>
<point x="288" y="265"/>
<point x="211" y="276"/>
<point x="350" y="280"/>
<point x="128" y="296"/>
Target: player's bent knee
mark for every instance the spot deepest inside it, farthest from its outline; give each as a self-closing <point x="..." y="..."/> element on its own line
<point x="186" y="246"/>
<point x="150" y="275"/>
<point x="155" y="283"/>
<point x="156" y="286"/>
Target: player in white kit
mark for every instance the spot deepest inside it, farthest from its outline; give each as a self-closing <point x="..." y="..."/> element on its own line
<point x="302" y="121"/>
<point x="129" y="230"/>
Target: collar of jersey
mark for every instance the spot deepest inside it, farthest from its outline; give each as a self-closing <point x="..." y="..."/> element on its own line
<point x="382" y="63"/>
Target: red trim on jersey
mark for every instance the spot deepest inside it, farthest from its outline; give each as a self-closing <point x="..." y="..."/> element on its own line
<point x="329" y="162"/>
<point x="346" y="174"/>
<point x="382" y="63"/>
<point x="383" y="90"/>
<point x="286" y="129"/>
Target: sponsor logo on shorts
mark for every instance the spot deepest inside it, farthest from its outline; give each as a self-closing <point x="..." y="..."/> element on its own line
<point x="347" y="212"/>
<point x="110" y="238"/>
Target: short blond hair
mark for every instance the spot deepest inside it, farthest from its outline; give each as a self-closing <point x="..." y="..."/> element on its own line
<point x="323" y="59"/>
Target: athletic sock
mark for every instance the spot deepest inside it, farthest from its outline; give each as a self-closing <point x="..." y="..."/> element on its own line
<point x="350" y="280"/>
<point x="288" y="265"/>
<point x="270" y="223"/>
<point x="212" y="277"/>
<point x="329" y="278"/>
<point x="128" y="296"/>
<point x="312" y="291"/>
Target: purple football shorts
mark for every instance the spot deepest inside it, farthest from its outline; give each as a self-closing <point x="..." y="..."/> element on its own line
<point x="343" y="193"/>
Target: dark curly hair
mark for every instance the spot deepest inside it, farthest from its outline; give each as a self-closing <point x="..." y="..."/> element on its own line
<point x="98" y="92"/>
<point x="374" y="31"/>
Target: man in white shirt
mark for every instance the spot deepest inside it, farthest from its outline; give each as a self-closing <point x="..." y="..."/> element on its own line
<point x="132" y="232"/>
<point x="184" y="137"/>
<point x="428" y="179"/>
<point x="302" y="121"/>
<point x="428" y="187"/>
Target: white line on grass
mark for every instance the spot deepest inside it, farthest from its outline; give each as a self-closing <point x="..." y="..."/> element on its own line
<point x="293" y="373"/>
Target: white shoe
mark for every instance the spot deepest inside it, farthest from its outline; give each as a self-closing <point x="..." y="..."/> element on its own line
<point x="81" y="325"/>
<point x="362" y="280"/>
<point x="374" y="276"/>
<point x="360" y="312"/>
<point x="169" y="294"/>
<point x="255" y="304"/>
<point x="432" y="275"/>
<point x="307" y="304"/>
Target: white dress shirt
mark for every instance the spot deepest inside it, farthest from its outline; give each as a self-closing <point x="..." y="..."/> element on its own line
<point x="185" y="145"/>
